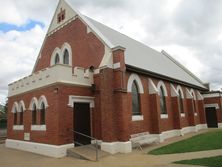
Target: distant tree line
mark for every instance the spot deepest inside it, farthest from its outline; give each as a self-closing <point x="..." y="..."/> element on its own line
<point x="3" y="115"/>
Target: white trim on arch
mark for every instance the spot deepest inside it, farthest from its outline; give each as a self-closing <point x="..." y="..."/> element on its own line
<point x="161" y="83"/>
<point x="193" y="94"/>
<point x="181" y="90"/>
<point x="199" y="96"/>
<point x="56" y="51"/>
<point x="42" y="99"/>
<point x="34" y="100"/>
<point x="173" y="91"/>
<point x="21" y="104"/>
<point x="67" y="47"/>
<point x="14" y="107"/>
<point x="134" y="77"/>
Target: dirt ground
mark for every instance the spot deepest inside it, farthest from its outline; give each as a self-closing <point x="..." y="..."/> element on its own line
<point x="138" y="158"/>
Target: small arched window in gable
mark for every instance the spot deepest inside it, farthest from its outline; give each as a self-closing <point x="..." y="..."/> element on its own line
<point x="34" y="114"/>
<point x="42" y="114"/>
<point x="66" y="57"/>
<point x="57" y="60"/>
<point x="135" y="99"/>
<point x="162" y="101"/>
<point x="181" y="102"/>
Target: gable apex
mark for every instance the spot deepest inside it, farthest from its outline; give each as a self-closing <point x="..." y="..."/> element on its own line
<point x="63" y="13"/>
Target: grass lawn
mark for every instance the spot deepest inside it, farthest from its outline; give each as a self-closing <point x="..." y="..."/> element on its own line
<point x="206" y="141"/>
<point x="211" y="161"/>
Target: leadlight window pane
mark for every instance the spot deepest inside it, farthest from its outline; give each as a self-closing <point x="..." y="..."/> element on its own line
<point x="135" y="99"/>
<point x="66" y="57"/>
<point x="15" y="117"/>
<point x="42" y="115"/>
<point x="34" y="113"/>
<point x="162" y="101"/>
<point x="21" y="116"/>
<point x="57" y="58"/>
<point x="181" y="102"/>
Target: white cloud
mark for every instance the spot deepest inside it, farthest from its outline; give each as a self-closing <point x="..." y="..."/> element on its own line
<point x="18" y="54"/>
<point x="186" y="57"/>
<point x="191" y="31"/>
<point x="19" y="12"/>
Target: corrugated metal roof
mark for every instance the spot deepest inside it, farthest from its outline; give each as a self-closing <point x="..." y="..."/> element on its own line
<point x="141" y="56"/>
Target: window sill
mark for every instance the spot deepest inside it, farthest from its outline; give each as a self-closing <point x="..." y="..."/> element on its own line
<point x="38" y="127"/>
<point x="182" y="114"/>
<point x="18" y="127"/>
<point x="137" y="117"/>
<point x="164" y="116"/>
<point x="195" y="114"/>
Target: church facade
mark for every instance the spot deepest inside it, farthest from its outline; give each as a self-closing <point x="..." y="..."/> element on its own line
<point x="91" y="79"/>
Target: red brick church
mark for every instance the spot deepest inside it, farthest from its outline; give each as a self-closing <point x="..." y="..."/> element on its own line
<point x="91" y="79"/>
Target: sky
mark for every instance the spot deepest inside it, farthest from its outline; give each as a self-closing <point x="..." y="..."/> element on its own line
<point x="190" y="31"/>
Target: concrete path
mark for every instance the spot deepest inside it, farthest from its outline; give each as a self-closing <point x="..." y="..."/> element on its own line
<point x="16" y="158"/>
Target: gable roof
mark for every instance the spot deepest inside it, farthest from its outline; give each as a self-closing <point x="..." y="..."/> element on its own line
<point x="141" y="56"/>
<point x="137" y="54"/>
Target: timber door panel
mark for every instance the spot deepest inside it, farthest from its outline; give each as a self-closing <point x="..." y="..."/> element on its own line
<point x="81" y="118"/>
<point x="211" y="116"/>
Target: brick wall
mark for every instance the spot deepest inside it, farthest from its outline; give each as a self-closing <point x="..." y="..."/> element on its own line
<point x="87" y="50"/>
<point x="59" y="116"/>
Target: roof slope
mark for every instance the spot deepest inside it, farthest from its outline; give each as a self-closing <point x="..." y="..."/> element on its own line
<point x="136" y="54"/>
<point x="144" y="57"/>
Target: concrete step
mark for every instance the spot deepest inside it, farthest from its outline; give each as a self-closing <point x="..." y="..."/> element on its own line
<point x="87" y="152"/>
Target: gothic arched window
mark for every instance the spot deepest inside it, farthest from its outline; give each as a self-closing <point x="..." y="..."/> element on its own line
<point x="66" y="57"/>
<point x="181" y="102"/>
<point x="194" y="103"/>
<point x="21" y="116"/>
<point x="57" y="60"/>
<point x="162" y="101"/>
<point x="15" y="116"/>
<point x="135" y="99"/>
<point x="42" y="114"/>
<point x="34" y="114"/>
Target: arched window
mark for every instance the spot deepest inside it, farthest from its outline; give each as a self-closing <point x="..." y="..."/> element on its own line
<point x="34" y="114"/>
<point x="21" y="116"/>
<point x="135" y="99"/>
<point x="42" y="114"/>
<point x="194" y="103"/>
<point x="162" y="101"/>
<point x="66" y="57"/>
<point x="181" y="101"/>
<point x="57" y="60"/>
<point x="15" y="116"/>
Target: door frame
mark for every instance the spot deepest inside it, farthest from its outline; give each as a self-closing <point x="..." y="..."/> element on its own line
<point x="83" y="99"/>
<point x="214" y="110"/>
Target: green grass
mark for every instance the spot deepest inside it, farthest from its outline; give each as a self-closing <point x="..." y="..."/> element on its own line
<point x="207" y="141"/>
<point x="211" y="161"/>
